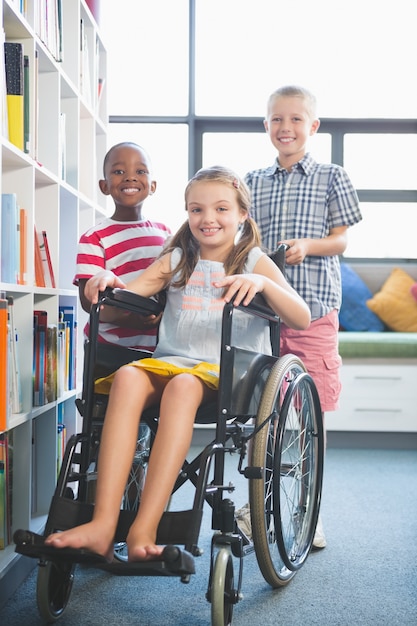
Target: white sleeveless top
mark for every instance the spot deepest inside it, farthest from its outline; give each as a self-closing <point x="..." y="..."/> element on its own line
<point x="190" y="329"/>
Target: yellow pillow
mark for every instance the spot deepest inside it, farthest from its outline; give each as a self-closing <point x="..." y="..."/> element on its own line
<point x="394" y="303"/>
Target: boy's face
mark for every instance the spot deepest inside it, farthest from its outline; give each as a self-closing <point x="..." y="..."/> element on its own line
<point x="289" y="125"/>
<point x="128" y="177"/>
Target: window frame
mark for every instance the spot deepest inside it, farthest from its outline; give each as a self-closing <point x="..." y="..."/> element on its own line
<point x="337" y="128"/>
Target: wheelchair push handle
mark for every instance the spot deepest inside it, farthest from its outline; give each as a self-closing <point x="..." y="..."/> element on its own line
<point x="278" y="256"/>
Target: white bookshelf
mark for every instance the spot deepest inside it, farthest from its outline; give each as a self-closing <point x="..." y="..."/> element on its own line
<point x="57" y="183"/>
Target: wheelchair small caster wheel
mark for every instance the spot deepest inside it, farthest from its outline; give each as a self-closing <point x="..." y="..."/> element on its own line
<point x="222" y="594"/>
<point x="53" y="589"/>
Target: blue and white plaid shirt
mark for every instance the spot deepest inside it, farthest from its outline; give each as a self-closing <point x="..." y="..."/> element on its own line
<point x="306" y="202"/>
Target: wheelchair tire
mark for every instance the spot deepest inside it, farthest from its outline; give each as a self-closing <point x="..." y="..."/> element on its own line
<point x="53" y="589"/>
<point x="222" y="591"/>
<point x="135" y="483"/>
<point x="289" y="446"/>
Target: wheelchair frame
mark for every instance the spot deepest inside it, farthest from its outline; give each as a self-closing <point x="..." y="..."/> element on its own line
<point x="268" y="410"/>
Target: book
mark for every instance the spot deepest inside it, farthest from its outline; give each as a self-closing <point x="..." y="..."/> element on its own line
<point x="48" y="272"/>
<point x="60" y="44"/>
<point x="63" y="144"/>
<point x="51" y="362"/>
<point x="23" y="243"/>
<point x="13" y="61"/>
<point x="85" y="76"/>
<point x="62" y="378"/>
<point x="4" y="397"/>
<point x="6" y="488"/>
<point x="9" y="238"/>
<point x="8" y="437"/>
<point x="40" y="323"/>
<point x="34" y="472"/>
<point x="67" y="315"/>
<point x="26" y="105"/>
<point x="3" y="91"/>
<point x="35" y="133"/>
<point x="15" y="391"/>
<point x="39" y="275"/>
<point x="48" y="25"/>
<point x="3" y="520"/>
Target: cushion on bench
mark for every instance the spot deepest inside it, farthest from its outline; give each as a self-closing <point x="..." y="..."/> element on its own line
<point x="378" y="345"/>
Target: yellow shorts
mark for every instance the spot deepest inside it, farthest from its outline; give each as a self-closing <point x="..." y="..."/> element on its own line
<point x="207" y="372"/>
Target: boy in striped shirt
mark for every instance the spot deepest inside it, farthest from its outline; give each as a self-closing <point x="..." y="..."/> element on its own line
<point x="126" y="243"/>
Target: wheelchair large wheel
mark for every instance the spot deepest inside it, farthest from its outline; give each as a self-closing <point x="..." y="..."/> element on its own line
<point x="53" y="589"/>
<point x="222" y="591"/>
<point x="135" y="483"/>
<point x="284" y="505"/>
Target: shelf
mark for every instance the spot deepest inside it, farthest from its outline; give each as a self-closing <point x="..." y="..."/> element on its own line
<point x="56" y="182"/>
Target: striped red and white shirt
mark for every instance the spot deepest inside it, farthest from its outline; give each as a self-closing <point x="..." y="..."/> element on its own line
<point x="125" y="248"/>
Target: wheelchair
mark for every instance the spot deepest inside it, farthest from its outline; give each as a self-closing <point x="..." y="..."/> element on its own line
<point x="267" y="413"/>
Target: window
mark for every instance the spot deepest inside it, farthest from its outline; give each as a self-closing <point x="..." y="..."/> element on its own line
<point x="189" y="80"/>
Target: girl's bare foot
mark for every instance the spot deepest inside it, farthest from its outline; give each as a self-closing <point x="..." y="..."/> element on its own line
<point x="142" y="546"/>
<point x="91" y="536"/>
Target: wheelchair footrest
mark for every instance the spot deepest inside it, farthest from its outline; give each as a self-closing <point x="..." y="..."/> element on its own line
<point x="30" y="544"/>
<point x="173" y="562"/>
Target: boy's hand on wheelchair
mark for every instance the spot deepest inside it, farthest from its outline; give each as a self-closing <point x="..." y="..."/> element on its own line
<point x="99" y="282"/>
<point x="243" y="286"/>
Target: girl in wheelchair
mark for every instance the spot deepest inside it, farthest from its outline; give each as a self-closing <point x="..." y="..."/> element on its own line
<point x="214" y="257"/>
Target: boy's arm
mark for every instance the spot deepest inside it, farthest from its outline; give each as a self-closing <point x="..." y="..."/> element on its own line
<point x="334" y="244"/>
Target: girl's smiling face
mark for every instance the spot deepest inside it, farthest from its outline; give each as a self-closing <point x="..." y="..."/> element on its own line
<point x="214" y="216"/>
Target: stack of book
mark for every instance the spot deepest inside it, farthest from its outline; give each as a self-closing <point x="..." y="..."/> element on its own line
<point x="48" y="25"/>
<point x="54" y="355"/>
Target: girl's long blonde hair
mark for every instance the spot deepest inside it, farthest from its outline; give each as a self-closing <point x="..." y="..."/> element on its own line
<point x="184" y="239"/>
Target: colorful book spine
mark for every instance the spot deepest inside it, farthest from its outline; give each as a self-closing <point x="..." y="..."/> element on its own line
<point x="39" y="273"/>
<point x="23" y="247"/>
<point x="40" y="323"/>
<point x="15" y="390"/>
<point x="10" y="238"/>
<point x="3" y="514"/>
<point x="4" y="396"/>
<point x="51" y="362"/>
<point x="48" y="269"/>
<point x="6" y="488"/>
<point x="26" y="104"/>
<point x="3" y="91"/>
<point x="67" y="315"/>
<point x="61" y="358"/>
<point x="13" y="56"/>
<point x="8" y="439"/>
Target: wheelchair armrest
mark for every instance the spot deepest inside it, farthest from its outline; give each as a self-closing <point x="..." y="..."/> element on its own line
<point x="259" y="307"/>
<point x="125" y="299"/>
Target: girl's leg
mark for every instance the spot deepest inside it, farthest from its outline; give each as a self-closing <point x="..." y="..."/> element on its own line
<point x="180" y="400"/>
<point x="132" y="390"/>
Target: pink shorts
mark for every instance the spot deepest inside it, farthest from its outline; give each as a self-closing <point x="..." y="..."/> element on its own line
<point x="318" y="348"/>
